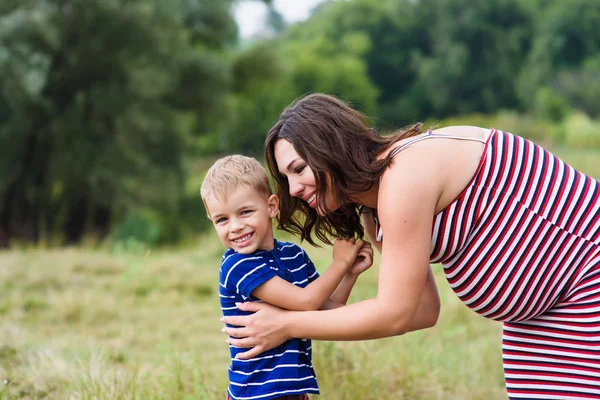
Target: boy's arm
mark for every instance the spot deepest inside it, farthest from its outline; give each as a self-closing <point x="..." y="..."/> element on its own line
<point x="281" y="293"/>
<point x="330" y="290"/>
<point x="364" y="260"/>
<point x="341" y="294"/>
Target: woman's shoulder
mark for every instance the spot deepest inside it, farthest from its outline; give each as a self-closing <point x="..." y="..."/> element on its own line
<point x="466" y="131"/>
<point x="411" y="176"/>
<point x="441" y="166"/>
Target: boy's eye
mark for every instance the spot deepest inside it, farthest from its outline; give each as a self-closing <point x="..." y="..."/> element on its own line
<point x="220" y="220"/>
<point x="246" y="212"/>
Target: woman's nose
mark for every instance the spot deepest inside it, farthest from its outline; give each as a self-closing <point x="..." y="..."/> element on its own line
<point x="296" y="188"/>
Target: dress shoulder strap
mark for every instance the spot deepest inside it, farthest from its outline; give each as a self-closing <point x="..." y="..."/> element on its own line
<point x="433" y="135"/>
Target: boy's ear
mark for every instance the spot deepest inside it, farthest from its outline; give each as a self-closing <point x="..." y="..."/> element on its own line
<point x="273" y="205"/>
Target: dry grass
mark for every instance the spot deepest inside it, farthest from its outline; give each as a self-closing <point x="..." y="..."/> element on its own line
<point x="79" y="324"/>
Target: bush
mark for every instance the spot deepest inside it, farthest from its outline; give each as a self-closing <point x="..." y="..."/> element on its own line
<point x="524" y="125"/>
<point x="550" y="105"/>
<point x="141" y="228"/>
<point x="582" y="132"/>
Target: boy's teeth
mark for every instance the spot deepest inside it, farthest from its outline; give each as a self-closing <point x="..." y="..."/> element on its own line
<point x="243" y="239"/>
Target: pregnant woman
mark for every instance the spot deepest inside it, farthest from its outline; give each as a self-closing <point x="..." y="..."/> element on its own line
<point x="516" y="229"/>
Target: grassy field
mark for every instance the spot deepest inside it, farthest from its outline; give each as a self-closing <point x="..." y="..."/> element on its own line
<point x="134" y="324"/>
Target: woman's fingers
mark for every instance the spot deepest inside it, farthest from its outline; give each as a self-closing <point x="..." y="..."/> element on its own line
<point x="250" y="306"/>
<point x="253" y="352"/>
<point x="365" y="252"/>
<point x="261" y="330"/>
<point x="236" y="320"/>
<point x="236" y="332"/>
<point x="357" y="246"/>
<point x="242" y="320"/>
<point x="243" y="342"/>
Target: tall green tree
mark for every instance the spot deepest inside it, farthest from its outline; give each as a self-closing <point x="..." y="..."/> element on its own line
<point x="439" y="57"/>
<point x="270" y="75"/>
<point x="477" y="49"/>
<point x="565" y="54"/>
<point x="100" y="101"/>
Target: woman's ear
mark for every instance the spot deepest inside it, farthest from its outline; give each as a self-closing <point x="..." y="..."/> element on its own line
<point x="273" y="205"/>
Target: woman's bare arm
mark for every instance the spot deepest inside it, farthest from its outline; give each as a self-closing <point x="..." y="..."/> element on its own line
<point x="407" y="297"/>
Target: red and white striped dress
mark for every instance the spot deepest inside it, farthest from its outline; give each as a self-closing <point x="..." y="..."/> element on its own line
<point x="521" y="244"/>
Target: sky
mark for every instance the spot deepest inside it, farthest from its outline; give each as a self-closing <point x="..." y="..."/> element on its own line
<point x="250" y="14"/>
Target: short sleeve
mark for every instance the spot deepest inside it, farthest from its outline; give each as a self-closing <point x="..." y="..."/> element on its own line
<point x="242" y="274"/>
<point x="310" y="268"/>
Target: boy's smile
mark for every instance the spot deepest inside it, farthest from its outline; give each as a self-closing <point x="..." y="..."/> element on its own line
<point x="242" y="219"/>
<point x="244" y="240"/>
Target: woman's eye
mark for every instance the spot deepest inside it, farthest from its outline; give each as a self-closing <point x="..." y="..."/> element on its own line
<point x="299" y="169"/>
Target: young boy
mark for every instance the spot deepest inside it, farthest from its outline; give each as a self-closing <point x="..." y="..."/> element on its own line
<point x="257" y="267"/>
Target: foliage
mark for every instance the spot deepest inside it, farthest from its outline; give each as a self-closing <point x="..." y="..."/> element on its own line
<point x="433" y="56"/>
<point x="582" y="132"/>
<point x="551" y="105"/>
<point x="581" y="88"/>
<point x="565" y="38"/>
<point x="100" y="102"/>
<point x="106" y="106"/>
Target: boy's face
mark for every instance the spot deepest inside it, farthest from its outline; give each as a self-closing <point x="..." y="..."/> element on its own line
<point x="243" y="219"/>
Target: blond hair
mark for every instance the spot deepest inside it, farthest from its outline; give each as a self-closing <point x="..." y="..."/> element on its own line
<point x="229" y="173"/>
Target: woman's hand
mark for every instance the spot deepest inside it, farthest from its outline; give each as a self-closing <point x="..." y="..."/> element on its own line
<point x="363" y="261"/>
<point x="262" y="330"/>
<point x="346" y="250"/>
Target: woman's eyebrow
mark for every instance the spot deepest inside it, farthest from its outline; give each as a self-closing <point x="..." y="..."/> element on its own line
<point x="289" y="166"/>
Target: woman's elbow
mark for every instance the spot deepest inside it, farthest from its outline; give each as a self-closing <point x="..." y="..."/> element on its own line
<point x="430" y="313"/>
<point x="399" y="324"/>
<point x="435" y="309"/>
<point x="423" y="319"/>
<point x="432" y="316"/>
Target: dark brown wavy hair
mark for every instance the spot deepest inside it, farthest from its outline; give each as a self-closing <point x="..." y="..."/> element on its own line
<point x="336" y="141"/>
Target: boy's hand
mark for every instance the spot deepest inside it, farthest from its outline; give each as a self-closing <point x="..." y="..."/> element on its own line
<point x="363" y="261"/>
<point x="345" y="251"/>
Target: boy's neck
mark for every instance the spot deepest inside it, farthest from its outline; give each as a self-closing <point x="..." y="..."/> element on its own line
<point x="271" y="245"/>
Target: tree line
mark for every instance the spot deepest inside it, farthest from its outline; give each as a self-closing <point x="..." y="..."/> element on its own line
<point x="107" y="107"/>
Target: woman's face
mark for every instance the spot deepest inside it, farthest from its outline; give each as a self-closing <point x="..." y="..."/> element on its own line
<point x="301" y="179"/>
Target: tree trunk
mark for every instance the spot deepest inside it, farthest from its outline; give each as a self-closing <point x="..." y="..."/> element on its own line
<point x="102" y="221"/>
<point x="6" y="210"/>
<point x="76" y="220"/>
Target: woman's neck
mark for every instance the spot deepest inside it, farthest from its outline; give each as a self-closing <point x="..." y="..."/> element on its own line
<point x="368" y="198"/>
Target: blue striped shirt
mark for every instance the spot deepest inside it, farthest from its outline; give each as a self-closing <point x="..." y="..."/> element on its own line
<point x="286" y="369"/>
